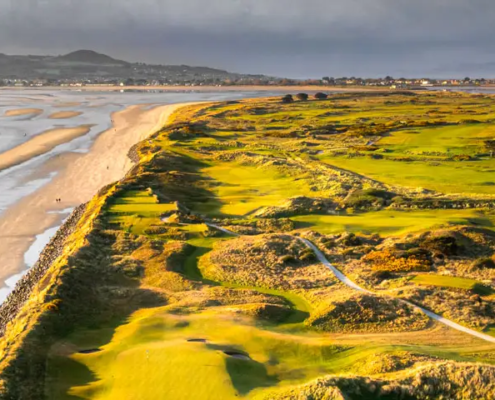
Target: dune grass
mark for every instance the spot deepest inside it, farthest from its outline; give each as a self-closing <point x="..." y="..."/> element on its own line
<point x="202" y="246"/>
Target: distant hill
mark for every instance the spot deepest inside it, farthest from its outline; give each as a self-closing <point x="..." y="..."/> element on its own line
<point x="90" y="66"/>
<point x="90" y="56"/>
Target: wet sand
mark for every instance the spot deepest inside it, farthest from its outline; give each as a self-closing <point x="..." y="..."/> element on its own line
<point x="78" y="178"/>
<point x="40" y="144"/>
<point x="23" y="111"/>
<point x="65" y="114"/>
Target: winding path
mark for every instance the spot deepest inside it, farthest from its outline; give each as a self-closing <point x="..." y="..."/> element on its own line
<point x="344" y="279"/>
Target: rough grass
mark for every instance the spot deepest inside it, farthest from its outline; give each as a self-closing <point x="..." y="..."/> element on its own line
<point x="270" y="261"/>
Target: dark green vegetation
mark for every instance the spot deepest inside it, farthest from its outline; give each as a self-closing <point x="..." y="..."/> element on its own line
<point x="150" y="301"/>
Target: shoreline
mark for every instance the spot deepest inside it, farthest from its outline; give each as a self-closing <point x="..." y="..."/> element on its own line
<point x="78" y="178"/>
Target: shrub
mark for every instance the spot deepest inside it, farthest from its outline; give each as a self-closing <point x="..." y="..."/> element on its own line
<point x="387" y="260"/>
<point x="287" y="99"/>
<point x="462" y="157"/>
<point x="302" y="96"/>
<point x="484" y="263"/>
<point x="321" y="96"/>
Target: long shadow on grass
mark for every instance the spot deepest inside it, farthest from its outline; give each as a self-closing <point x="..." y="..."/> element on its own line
<point x="177" y="177"/>
<point x="67" y="373"/>
<point x="246" y="374"/>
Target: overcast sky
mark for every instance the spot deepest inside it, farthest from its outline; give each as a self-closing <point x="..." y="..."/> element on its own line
<point x="294" y="38"/>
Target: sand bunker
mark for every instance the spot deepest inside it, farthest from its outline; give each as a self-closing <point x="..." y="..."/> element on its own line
<point x="89" y="351"/>
<point x="40" y="144"/>
<point x="236" y="354"/>
<point x="23" y="111"/>
<point x="65" y="114"/>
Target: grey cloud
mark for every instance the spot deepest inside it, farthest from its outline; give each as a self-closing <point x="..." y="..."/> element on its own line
<point x="283" y="37"/>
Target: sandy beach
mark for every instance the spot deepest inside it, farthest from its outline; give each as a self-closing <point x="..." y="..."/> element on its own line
<point x="78" y="179"/>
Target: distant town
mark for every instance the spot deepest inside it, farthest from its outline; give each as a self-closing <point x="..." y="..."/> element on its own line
<point x="85" y="68"/>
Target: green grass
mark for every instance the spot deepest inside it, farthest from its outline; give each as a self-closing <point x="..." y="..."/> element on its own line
<point x="242" y="189"/>
<point x="135" y="197"/>
<point x="445" y="177"/>
<point x="389" y="222"/>
<point x="464" y="139"/>
<point x="445" y="281"/>
<point x="140" y="203"/>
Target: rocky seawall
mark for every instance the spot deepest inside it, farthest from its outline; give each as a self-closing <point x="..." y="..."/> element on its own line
<point x="12" y="305"/>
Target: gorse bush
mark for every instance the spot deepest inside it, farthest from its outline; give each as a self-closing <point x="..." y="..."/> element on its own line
<point x="394" y="261"/>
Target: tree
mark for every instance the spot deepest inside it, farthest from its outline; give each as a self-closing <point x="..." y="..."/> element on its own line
<point x="302" y="96"/>
<point x="490" y="146"/>
<point x="287" y="98"/>
<point x="321" y="96"/>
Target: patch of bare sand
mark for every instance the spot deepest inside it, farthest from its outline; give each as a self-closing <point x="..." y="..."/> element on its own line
<point x="79" y="179"/>
<point x="67" y="104"/>
<point x="23" y="111"/>
<point x="65" y="114"/>
<point x="40" y="144"/>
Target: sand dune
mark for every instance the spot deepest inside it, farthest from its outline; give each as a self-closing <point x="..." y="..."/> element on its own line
<point x="79" y="178"/>
<point x="23" y="111"/>
<point x="65" y="114"/>
<point x="40" y="144"/>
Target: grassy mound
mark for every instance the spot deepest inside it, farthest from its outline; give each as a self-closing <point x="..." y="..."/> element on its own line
<point x="271" y="261"/>
<point x="436" y="381"/>
<point x="366" y="313"/>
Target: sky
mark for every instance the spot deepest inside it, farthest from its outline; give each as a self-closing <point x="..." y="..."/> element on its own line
<point x="290" y="38"/>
